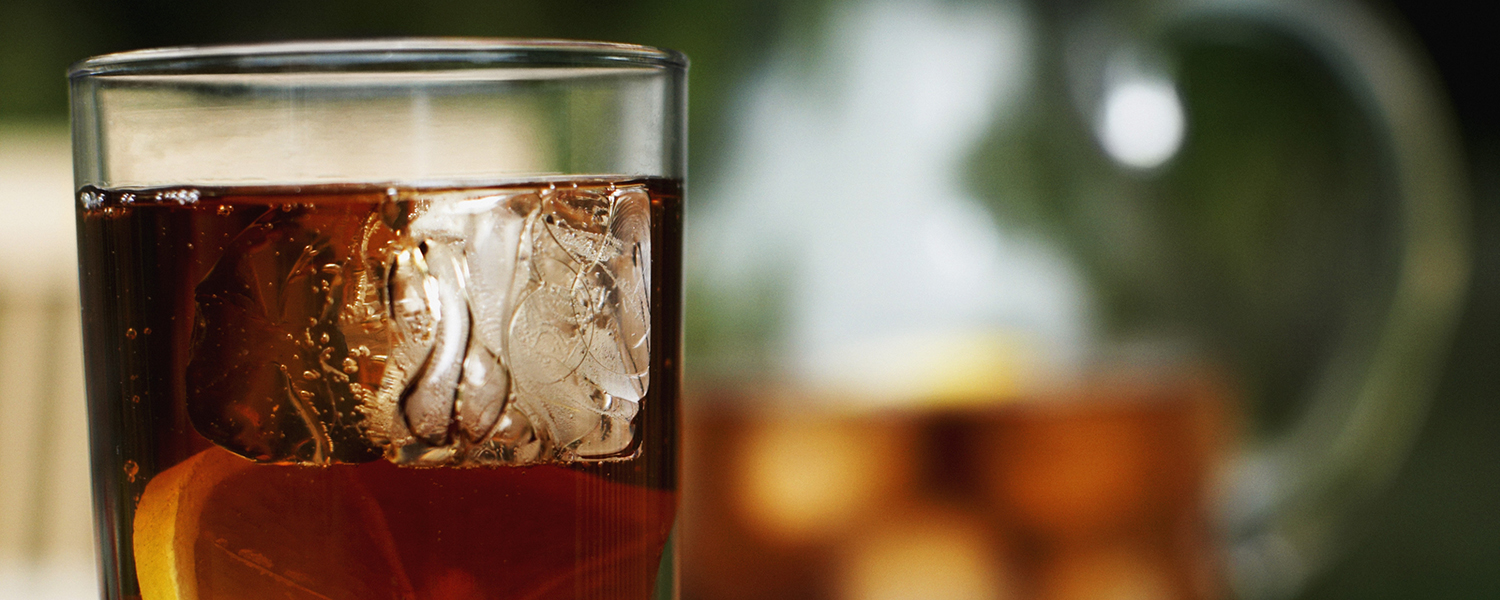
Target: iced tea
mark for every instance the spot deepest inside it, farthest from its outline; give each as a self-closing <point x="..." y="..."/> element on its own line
<point x="384" y="391"/>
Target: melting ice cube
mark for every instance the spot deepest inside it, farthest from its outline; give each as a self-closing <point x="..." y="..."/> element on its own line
<point x="513" y="324"/>
<point x="274" y="374"/>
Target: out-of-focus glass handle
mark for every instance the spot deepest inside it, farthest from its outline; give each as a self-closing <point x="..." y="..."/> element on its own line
<point x="1283" y="499"/>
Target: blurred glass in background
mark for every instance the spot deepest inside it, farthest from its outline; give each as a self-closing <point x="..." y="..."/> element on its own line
<point x="986" y="293"/>
<point x="988" y="298"/>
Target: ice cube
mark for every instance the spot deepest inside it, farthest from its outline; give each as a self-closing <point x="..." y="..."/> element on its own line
<point x="482" y="393"/>
<point x="498" y="326"/>
<point x="266" y="377"/>
<point x="429" y="397"/>
<point x="521" y="326"/>
<point x="580" y="334"/>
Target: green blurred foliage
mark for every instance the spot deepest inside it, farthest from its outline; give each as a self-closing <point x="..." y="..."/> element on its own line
<point x="1267" y="238"/>
<point x="733" y="336"/>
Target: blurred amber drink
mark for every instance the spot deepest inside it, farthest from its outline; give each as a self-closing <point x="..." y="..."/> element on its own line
<point x="1097" y="491"/>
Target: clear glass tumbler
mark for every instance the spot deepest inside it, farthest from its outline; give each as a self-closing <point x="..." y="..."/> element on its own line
<point x="386" y="319"/>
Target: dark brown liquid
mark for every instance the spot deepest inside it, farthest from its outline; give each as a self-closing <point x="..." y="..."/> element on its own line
<point x="367" y="530"/>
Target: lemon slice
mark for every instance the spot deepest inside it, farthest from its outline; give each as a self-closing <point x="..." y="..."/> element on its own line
<point x="221" y="527"/>
<point x="165" y="523"/>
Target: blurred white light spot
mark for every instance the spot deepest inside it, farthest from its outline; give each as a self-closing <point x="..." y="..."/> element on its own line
<point x="1142" y="122"/>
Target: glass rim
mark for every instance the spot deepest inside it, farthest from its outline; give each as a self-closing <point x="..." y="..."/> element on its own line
<point x="332" y="56"/>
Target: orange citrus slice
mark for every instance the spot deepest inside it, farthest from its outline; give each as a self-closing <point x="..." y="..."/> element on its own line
<point x="168" y="509"/>
<point x="220" y="527"/>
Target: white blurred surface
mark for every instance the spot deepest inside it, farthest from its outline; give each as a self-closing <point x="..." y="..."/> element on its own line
<point x="46" y="527"/>
<point x="847" y="185"/>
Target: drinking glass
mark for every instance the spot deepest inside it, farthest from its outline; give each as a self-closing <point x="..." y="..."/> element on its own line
<point x="383" y="319"/>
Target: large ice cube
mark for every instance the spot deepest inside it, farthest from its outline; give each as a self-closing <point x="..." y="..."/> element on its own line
<point x="496" y="326"/>
<point x="556" y="357"/>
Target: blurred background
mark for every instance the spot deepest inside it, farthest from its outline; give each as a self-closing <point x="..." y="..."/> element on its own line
<point x="1064" y="299"/>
